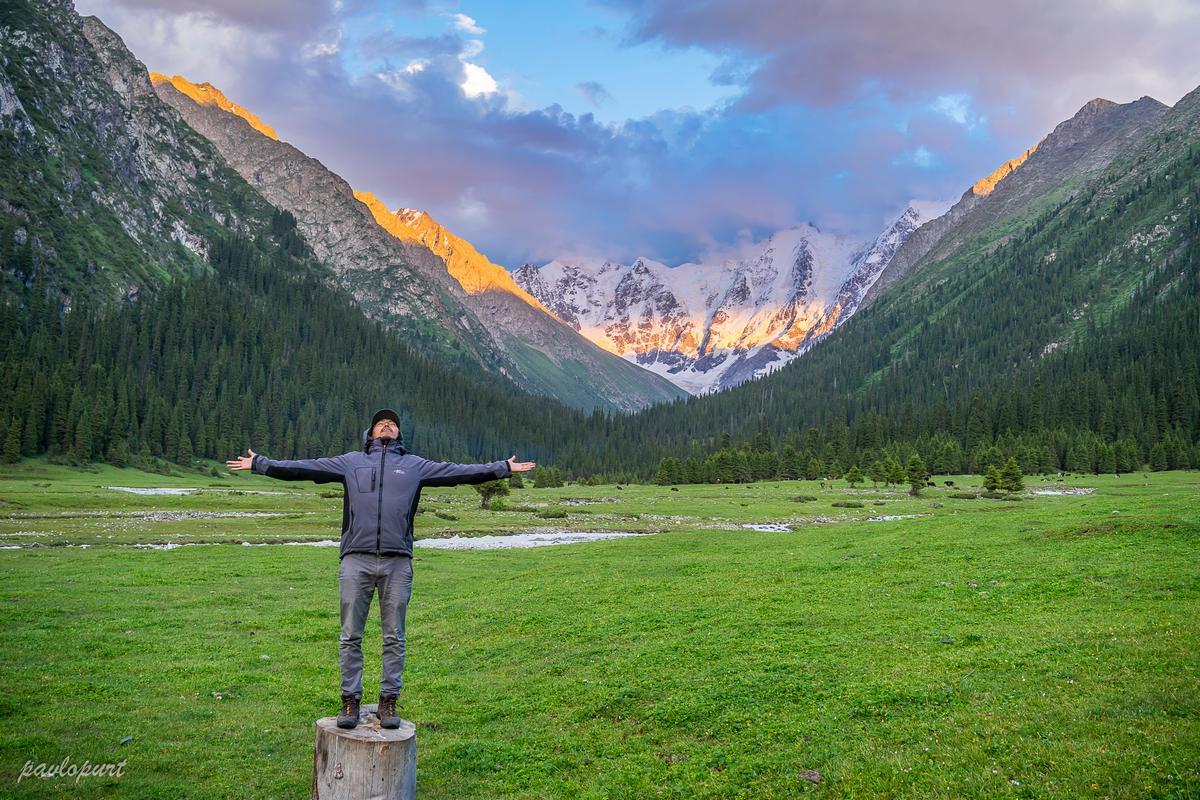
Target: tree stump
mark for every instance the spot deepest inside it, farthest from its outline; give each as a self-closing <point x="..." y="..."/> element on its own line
<point x="367" y="762"/>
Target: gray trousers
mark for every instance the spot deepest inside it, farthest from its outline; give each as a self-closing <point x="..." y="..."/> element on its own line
<point x="359" y="576"/>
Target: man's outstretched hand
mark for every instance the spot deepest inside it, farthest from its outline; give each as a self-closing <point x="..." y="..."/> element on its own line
<point x="520" y="466"/>
<point x="245" y="462"/>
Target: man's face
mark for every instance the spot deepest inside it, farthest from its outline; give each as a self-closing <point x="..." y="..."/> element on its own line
<point x="385" y="428"/>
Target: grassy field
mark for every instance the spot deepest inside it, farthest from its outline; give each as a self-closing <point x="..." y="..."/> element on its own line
<point x="1044" y="648"/>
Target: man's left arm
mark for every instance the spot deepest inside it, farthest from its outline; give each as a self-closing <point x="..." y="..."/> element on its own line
<point x="447" y="473"/>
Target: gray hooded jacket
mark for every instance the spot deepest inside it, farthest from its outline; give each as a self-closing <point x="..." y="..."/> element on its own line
<point x="383" y="487"/>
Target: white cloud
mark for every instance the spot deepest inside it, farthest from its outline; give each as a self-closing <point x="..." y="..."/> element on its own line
<point x="922" y="157"/>
<point x="468" y="25"/>
<point x="477" y="81"/>
<point x="957" y="109"/>
<point x="471" y="48"/>
<point x="330" y="47"/>
<point x="953" y="107"/>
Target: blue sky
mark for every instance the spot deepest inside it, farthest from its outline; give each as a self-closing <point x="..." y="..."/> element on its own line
<point x="619" y="128"/>
<point x="547" y="53"/>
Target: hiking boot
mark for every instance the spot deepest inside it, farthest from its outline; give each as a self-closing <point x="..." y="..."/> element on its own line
<point x="349" y="716"/>
<point x="387" y="711"/>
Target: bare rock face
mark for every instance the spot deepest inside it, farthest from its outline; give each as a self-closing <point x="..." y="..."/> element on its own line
<point x="206" y="94"/>
<point x="86" y="136"/>
<point x="1060" y="165"/>
<point x="472" y="269"/>
<point x="493" y="294"/>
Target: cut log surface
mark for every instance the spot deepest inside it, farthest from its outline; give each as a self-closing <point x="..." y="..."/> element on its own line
<point x="364" y="763"/>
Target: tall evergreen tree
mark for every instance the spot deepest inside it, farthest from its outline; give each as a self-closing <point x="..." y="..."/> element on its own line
<point x="1011" y="479"/>
<point x="12" y="442"/>
<point x="992" y="481"/>
<point x="917" y="474"/>
<point x="854" y="476"/>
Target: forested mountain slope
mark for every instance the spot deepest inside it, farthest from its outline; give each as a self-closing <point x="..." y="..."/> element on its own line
<point x="1047" y="174"/>
<point x="153" y="300"/>
<point x="261" y="353"/>
<point x="1080" y="332"/>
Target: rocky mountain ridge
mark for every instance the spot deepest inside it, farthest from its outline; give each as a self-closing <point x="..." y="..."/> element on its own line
<point x="412" y="274"/>
<point x="711" y="326"/>
<point x="1052" y="171"/>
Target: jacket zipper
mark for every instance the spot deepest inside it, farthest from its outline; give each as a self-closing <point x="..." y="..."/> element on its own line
<point x="379" y="517"/>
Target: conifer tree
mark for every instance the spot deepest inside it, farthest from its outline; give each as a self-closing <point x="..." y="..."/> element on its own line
<point x="31" y="435"/>
<point x="854" y="476"/>
<point x="185" y="445"/>
<point x="992" y="481"/>
<point x="83" y="438"/>
<point x="118" y="453"/>
<point x="12" y="442"/>
<point x="668" y="472"/>
<point x="1011" y="479"/>
<point x="788" y="470"/>
<point x="545" y="477"/>
<point x="917" y="474"/>
<point x="895" y="472"/>
<point x="1158" y="457"/>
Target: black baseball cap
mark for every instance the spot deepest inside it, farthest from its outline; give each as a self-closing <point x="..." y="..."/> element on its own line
<point x="385" y="413"/>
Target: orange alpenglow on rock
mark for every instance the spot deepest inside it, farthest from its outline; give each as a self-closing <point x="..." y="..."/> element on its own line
<point x="206" y="94"/>
<point x="472" y="269"/>
<point x="986" y="185"/>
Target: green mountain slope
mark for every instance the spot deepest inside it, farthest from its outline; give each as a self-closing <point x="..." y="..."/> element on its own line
<point x="1000" y="205"/>
<point x="104" y="190"/>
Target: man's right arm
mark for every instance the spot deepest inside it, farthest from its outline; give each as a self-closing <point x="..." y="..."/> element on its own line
<point x="317" y="470"/>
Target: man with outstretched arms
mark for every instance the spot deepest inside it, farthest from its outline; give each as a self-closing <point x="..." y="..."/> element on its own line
<point x="383" y="485"/>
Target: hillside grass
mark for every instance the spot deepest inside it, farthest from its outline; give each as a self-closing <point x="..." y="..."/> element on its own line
<point x="1044" y="647"/>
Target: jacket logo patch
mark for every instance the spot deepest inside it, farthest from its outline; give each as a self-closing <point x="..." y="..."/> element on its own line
<point x="398" y="471"/>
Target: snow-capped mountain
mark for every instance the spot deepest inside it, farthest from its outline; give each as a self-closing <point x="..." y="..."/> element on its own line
<point x="710" y="326"/>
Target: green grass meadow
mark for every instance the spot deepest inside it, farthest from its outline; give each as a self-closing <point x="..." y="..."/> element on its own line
<point x="1045" y="647"/>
